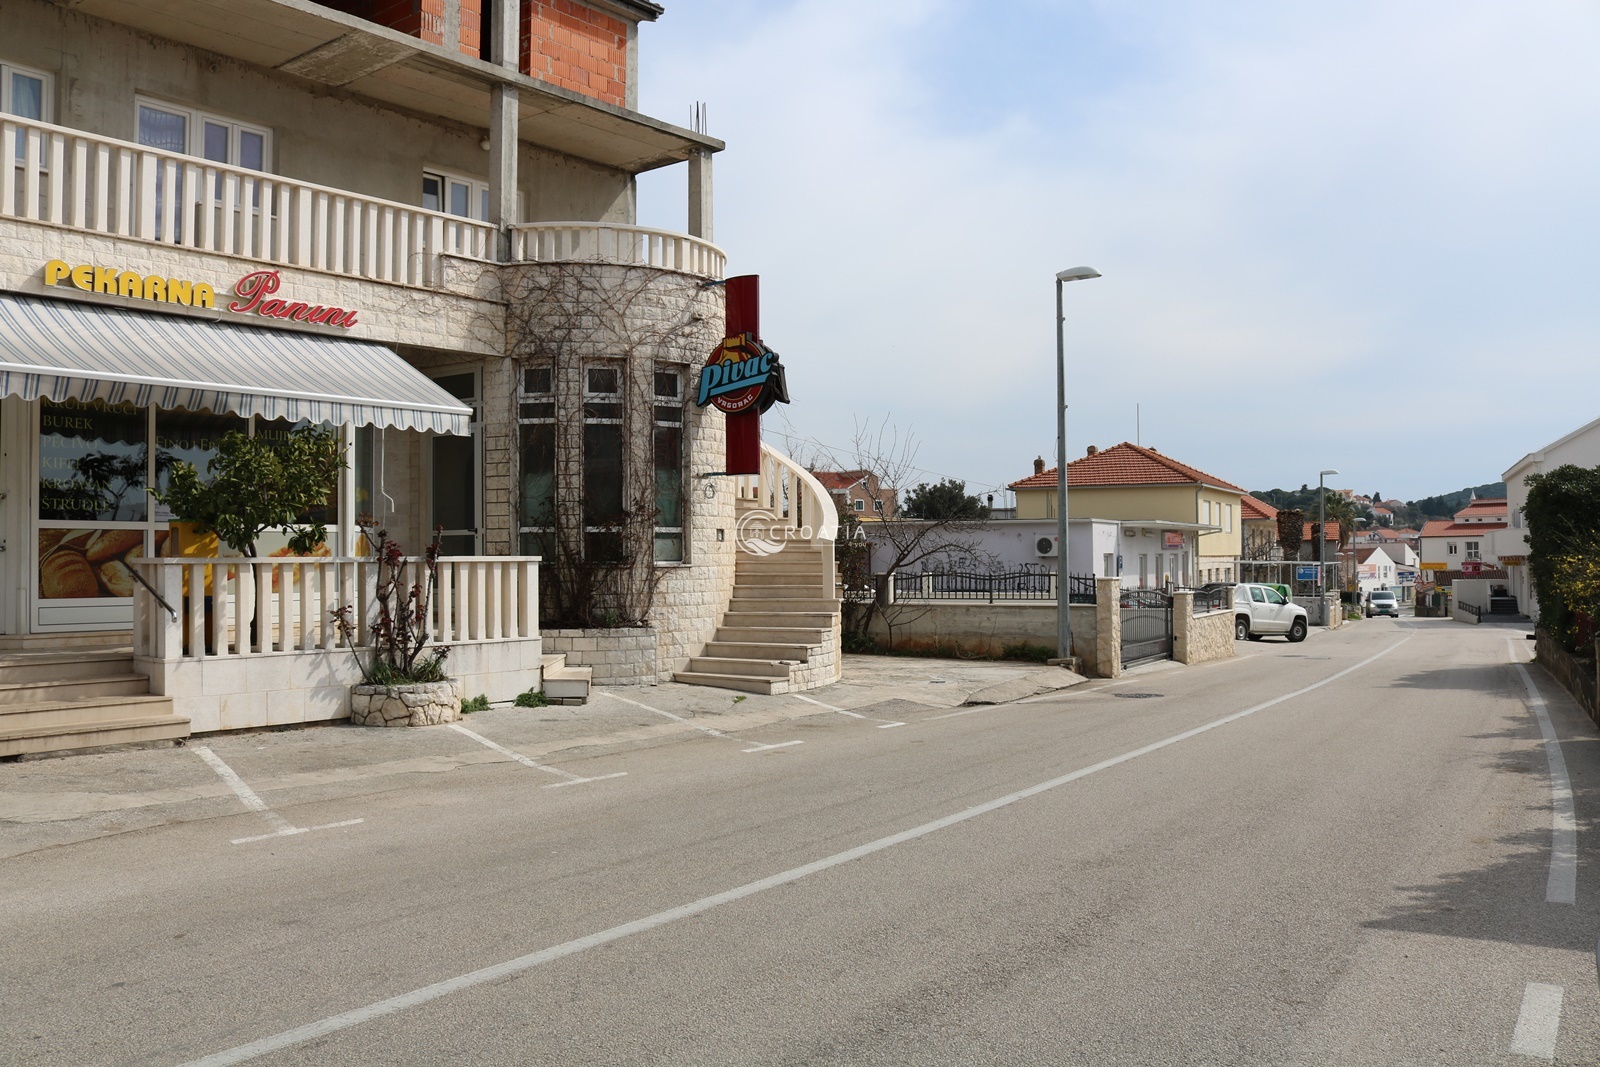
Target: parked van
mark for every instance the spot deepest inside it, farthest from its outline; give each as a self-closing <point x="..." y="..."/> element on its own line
<point x="1260" y="610"/>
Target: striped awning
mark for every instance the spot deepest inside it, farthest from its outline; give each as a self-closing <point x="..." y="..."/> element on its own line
<point x="64" y="350"/>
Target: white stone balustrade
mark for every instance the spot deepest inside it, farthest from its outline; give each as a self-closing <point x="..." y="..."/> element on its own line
<point x="67" y="177"/>
<point x="616" y="245"/>
<point x="252" y="642"/>
<point x="791" y="493"/>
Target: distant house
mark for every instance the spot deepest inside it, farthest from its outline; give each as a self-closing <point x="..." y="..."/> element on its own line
<point x="1466" y="542"/>
<point x="858" y="492"/>
<point x="1146" y="490"/>
<point x="1392" y="566"/>
<point x="1258" y="529"/>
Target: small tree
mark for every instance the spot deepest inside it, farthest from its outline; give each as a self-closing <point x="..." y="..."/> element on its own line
<point x="946" y="499"/>
<point x="1291" y="532"/>
<point x="1563" y="513"/>
<point x="401" y="642"/>
<point x="255" y="484"/>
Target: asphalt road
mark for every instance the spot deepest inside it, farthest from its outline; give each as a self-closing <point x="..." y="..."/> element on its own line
<point x="1337" y="852"/>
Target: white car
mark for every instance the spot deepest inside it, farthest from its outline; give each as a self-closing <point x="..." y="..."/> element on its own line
<point x="1260" y="610"/>
<point x="1382" y="602"/>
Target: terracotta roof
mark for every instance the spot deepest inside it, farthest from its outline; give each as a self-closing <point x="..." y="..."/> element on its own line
<point x="1449" y="528"/>
<point x="1125" y="464"/>
<point x="838" y="479"/>
<point x="1484" y="506"/>
<point x="1329" y="534"/>
<point x="1251" y="508"/>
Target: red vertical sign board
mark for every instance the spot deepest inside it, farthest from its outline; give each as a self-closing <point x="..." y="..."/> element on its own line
<point x="744" y="428"/>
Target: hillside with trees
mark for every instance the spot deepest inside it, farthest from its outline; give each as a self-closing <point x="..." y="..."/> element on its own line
<point x="1411" y="513"/>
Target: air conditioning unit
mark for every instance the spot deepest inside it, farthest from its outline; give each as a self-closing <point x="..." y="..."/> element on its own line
<point x="1045" y="546"/>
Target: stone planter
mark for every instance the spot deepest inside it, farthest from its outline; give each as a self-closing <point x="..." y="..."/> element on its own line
<point x="419" y="704"/>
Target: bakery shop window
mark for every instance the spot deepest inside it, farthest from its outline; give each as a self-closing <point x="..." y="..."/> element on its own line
<point x="190" y="437"/>
<point x="92" y="459"/>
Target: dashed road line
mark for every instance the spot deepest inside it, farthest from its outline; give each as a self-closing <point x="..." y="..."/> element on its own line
<point x="1562" y="885"/>
<point x="499" y="972"/>
<point x="281" y="827"/>
<point x="703" y="729"/>
<point x="1539" y="1022"/>
<point x="883" y="724"/>
<point x="571" y="779"/>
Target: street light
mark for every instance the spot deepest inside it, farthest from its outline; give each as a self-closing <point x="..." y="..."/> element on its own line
<point x="1322" y="528"/>
<point x="1063" y="571"/>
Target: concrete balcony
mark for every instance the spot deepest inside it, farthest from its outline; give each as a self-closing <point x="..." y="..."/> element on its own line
<point x="616" y="245"/>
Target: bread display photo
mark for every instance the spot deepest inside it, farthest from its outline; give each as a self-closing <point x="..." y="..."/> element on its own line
<point x="88" y="564"/>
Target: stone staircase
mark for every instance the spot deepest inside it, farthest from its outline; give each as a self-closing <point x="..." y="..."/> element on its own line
<point x="562" y="684"/>
<point x="780" y="633"/>
<point x="56" y="701"/>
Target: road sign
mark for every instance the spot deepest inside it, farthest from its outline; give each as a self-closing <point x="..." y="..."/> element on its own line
<point x="1305" y="573"/>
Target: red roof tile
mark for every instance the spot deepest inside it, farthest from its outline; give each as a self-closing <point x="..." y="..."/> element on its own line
<point x="838" y="479"/>
<point x="1251" y="508"/>
<point x="1450" y="528"/>
<point x="1330" y="534"/>
<point x="1125" y="464"/>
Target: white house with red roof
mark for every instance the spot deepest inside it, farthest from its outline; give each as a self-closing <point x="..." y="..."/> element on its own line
<point x="1581" y="448"/>
<point x="1465" y="542"/>
<point x="1148" y="491"/>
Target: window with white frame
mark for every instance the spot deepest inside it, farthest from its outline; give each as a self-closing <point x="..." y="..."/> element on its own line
<point x="1450" y="548"/>
<point x="454" y="194"/>
<point x="1227" y="518"/>
<point x="859" y="505"/>
<point x="669" y="461"/>
<point x="536" y="426"/>
<point x="1472" y="550"/>
<point x="877" y="505"/>
<point x="28" y="94"/>
<point x="192" y="132"/>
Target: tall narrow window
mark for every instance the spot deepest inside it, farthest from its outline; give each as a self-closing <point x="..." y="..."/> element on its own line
<point x="536" y="418"/>
<point x="26" y="94"/>
<point x="603" y="509"/>
<point x="669" y="465"/>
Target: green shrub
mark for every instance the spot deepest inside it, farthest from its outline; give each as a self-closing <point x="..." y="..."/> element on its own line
<point x="477" y="703"/>
<point x="858" y="642"/>
<point x="1028" y="652"/>
<point x="532" y="699"/>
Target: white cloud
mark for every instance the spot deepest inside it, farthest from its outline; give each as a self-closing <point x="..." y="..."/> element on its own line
<point x="1304" y="216"/>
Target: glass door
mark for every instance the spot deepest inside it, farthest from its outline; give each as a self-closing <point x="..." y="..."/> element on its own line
<point x="457" y="479"/>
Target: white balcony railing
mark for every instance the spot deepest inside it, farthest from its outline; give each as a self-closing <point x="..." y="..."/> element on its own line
<point x="228" y="608"/>
<point x="70" y="178"/>
<point x="600" y="242"/>
<point x="792" y="495"/>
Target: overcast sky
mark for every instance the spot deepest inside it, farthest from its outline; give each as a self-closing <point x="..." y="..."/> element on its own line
<point x="1358" y="235"/>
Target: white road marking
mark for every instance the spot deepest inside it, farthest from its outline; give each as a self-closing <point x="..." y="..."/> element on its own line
<point x="571" y="779"/>
<point x="1539" y="1021"/>
<point x="281" y="827"/>
<point x="697" y="726"/>
<point x="883" y="724"/>
<point x="496" y="972"/>
<point x="1562" y="885"/>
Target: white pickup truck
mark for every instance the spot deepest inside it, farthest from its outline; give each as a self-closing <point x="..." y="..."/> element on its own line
<point x="1259" y="610"/>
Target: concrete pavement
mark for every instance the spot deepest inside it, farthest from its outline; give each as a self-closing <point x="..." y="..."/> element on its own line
<point x="1332" y="852"/>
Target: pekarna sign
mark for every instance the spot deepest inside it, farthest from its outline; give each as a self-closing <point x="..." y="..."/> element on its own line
<point x="254" y="292"/>
<point x="742" y="375"/>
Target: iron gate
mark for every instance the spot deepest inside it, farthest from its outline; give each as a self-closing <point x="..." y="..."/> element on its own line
<point x="1146" y="625"/>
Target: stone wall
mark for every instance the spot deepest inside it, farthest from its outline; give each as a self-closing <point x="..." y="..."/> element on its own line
<point x="622" y="656"/>
<point x="979" y="628"/>
<point x="1200" y="638"/>
<point x="1107" y="659"/>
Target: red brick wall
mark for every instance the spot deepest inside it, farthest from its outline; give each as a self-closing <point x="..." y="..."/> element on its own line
<point x="423" y="19"/>
<point x="577" y="48"/>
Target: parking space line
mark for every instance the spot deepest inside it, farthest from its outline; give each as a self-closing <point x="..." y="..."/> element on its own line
<point x="883" y="724"/>
<point x="281" y="827"/>
<point x="1539" y="1022"/>
<point x="1561" y="887"/>
<point x="697" y="726"/>
<point x="571" y="779"/>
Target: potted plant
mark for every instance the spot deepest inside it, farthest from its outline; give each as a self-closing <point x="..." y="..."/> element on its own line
<point x="403" y="682"/>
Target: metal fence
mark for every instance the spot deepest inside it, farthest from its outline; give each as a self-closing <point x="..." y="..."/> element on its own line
<point x="1144" y="598"/>
<point x="990" y="586"/>
<point x="1212" y="600"/>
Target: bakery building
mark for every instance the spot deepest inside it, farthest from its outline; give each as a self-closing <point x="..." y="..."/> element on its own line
<point x="414" y="224"/>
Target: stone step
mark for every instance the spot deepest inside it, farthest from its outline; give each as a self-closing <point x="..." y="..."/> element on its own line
<point x="743" y="682"/>
<point x="755" y="668"/>
<point x="809" y="577"/>
<point x="759" y="650"/>
<point x="786" y="590"/>
<point x="809" y="636"/>
<point x="73" y="712"/>
<point x="562" y="684"/>
<point x="64" y="666"/>
<point x="814" y="605"/>
<point x="132" y="729"/>
<point x="822" y="620"/>
<point x="74" y="689"/>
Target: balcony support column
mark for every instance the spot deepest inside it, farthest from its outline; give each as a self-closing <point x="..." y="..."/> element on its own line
<point x="700" y="194"/>
<point x="505" y="51"/>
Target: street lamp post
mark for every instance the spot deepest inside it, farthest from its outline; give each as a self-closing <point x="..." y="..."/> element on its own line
<point x="1322" y="528"/>
<point x="1063" y="571"/>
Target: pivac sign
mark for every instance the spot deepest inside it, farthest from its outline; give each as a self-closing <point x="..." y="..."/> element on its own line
<point x="743" y="374"/>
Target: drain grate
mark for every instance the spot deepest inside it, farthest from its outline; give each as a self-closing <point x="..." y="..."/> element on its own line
<point x="1135" y="696"/>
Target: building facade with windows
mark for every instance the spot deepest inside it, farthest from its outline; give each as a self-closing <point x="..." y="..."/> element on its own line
<point x="412" y="222"/>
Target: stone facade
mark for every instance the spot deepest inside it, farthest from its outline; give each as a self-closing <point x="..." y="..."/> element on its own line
<point x="621" y="656"/>
<point x="1200" y="638"/>
<point x="1108" y="629"/>
<point x="421" y="704"/>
